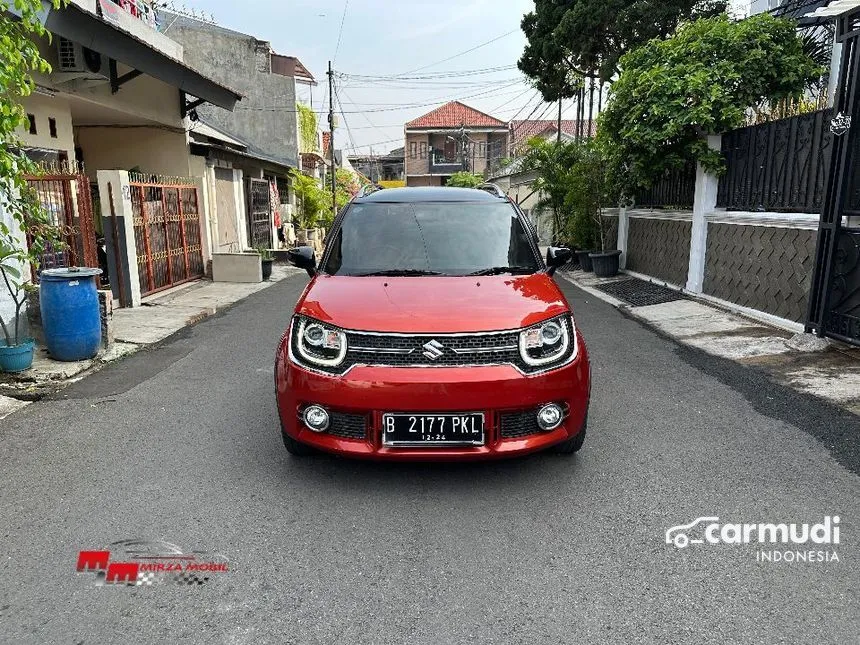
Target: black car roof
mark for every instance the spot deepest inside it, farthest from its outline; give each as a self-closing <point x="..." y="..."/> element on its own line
<point x="433" y="194"/>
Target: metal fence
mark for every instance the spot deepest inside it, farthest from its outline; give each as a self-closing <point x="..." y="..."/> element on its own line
<point x="166" y="231"/>
<point x="675" y="190"/>
<point x="259" y="214"/>
<point x="779" y="166"/>
<point x="65" y="195"/>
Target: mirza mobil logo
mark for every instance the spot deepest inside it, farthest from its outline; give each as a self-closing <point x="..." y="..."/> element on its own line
<point x="135" y="563"/>
<point x="776" y="542"/>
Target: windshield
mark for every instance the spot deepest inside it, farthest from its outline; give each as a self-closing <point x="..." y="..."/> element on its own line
<point x="428" y="238"/>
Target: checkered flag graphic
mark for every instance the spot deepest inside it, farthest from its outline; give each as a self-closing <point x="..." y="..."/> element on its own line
<point x="145" y="579"/>
<point x="190" y="579"/>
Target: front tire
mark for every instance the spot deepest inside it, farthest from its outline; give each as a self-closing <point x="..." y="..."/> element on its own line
<point x="296" y="448"/>
<point x="574" y="445"/>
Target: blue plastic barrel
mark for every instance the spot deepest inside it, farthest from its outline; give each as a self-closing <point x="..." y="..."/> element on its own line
<point x="71" y="319"/>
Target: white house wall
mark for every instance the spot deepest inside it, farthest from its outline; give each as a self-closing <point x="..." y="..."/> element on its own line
<point x="44" y="108"/>
<point x="151" y="150"/>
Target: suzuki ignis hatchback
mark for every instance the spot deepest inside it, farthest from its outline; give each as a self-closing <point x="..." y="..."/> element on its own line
<point x="432" y="330"/>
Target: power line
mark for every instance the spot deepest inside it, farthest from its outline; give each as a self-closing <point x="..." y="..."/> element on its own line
<point x="517" y="97"/>
<point x="463" y="53"/>
<point x="287" y="109"/>
<point x="340" y="33"/>
<point x="377" y="143"/>
<point x="345" y="122"/>
<point x="435" y="75"/>
<point x="525" y="107"/>
<point x="378" y="128"/>
<point x="495" y="92"/>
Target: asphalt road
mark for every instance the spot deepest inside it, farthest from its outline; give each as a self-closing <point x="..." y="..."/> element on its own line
<point x="182" y="444"/>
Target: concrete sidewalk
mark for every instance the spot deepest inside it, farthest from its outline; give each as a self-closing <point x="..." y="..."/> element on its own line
<point x="826" y="369"/>
<point x="160" y="316"/>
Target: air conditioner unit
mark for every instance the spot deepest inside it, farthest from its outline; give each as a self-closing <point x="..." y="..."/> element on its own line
<point x="75" y="59"/>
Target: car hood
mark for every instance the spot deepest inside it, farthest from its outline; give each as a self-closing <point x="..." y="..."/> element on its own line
<point x="432" y="304"/>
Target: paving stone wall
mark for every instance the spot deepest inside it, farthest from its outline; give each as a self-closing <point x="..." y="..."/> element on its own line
<point x="761" y="267"/>
<point x="611" y="222"/>
<point x="660" y="248"/>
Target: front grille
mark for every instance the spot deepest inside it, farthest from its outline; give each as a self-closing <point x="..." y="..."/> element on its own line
<point x="519" y="424"/>
<point x="348" y="426"/>
<point x="400" y="351"/>
<point x="437" y="350"/>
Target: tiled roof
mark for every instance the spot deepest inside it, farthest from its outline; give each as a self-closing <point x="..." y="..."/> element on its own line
<point x="453" y="115"/>
<point x="522" y="131"/>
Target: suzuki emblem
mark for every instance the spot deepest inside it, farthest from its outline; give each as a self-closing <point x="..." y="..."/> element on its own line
<point x="433" y="350"/>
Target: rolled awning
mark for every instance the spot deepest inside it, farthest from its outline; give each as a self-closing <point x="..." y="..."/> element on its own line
<point x="108" y="39"/>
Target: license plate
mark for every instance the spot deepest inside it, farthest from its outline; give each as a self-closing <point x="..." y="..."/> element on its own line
<point x="433" y="429"/>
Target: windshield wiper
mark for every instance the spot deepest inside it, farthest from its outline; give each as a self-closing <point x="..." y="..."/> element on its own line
<point x="396" y="273"/>
<point x="500" y="270"/>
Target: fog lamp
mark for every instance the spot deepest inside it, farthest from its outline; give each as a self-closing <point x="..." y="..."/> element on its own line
<point x="316" y="418"/>
<point x="549" y="417"/>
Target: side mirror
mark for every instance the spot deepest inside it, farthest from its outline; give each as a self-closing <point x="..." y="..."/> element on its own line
<point x="305" y="258"/>
<point x="557" y="257"/>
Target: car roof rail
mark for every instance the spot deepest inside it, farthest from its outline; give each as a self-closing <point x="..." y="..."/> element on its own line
<point x="493" y="189"/>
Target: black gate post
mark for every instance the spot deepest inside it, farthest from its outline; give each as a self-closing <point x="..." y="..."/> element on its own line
<point x="845" y="130"/>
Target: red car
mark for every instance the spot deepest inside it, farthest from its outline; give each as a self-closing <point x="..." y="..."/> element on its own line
<point x="432" y="330"/>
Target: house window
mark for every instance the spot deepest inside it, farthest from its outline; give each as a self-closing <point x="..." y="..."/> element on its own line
<point x="52" y="126"/>
<point x="32" y="119"/>
<point x="413" y="150"/>
<point x="482" y="149"/>
<point x="423" y="149"/>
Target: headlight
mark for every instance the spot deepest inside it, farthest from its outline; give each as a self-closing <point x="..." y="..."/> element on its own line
<point x="319" y="344"/>
<point x="547" y="343"/>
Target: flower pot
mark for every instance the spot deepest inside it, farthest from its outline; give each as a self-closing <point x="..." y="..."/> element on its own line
<point x="267" y="268"/>
<point x="302" y="237"/>
<point x="17" y="358"/>
<point x="605" y="264"/>
<point x="584" y="260"/>
<point x="313" y="234"/>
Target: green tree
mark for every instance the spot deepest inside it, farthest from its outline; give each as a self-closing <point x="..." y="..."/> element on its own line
<point x="673" y="92"/>
<point x="465" y="180"/>
<point x="346" y="187"/>
<point x="311" y="199"/>
<point x="308" y="126"/>
<point x="553" y="163"/>
<point x="589" y="193"/>
<point x="570" y="39"/>
<point x="19" y="27"/>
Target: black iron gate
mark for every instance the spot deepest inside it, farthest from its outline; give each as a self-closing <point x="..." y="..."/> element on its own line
<point x="834" y="306"/>
<point x="259" y="214"/>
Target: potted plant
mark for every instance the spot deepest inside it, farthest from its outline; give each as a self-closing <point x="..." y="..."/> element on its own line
<point x="589" y="193"/>
<point x="310" y="201"/>
<point x="267" y="258"/>
<point x="20" y="210"/>
<point x="17" y="256"/>
<point x="16" y="353"/>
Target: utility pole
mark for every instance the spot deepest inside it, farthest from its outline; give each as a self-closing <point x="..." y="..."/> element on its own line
<point x="331" y="138"/>
<point x="558" y="140"/>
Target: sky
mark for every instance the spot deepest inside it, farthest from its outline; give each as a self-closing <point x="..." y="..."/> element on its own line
<point x="406" y="38"/>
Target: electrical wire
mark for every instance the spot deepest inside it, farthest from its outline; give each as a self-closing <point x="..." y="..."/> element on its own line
<point x="525" y="107"/>
<point x="340" y="33"/>
<point x="345" y="122"/>
<point x="434" y="76"/>
<point x="463" y="53"/>
<point x="287" y="109"/>
<point x="517" y="97"/>
<point x="366" y="118"/>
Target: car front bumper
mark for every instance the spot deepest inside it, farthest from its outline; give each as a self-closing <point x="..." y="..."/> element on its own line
<point x="365" y="394"/>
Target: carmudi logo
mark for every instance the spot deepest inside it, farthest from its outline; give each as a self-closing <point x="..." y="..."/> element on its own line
<point x="819" y="538"/>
